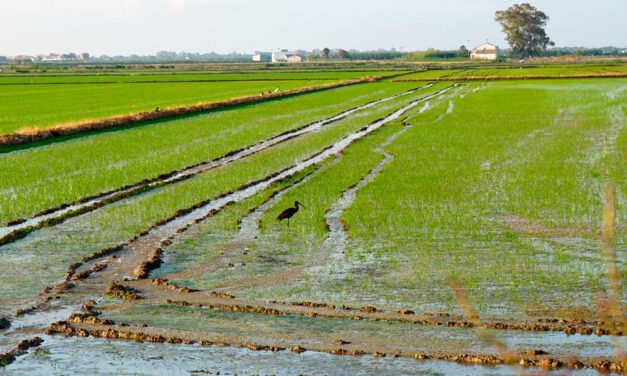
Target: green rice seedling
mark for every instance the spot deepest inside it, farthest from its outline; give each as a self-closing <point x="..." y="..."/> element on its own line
<point x="88" y="165"/>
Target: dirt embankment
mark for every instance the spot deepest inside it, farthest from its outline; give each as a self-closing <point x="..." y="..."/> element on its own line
<point x="85" y="326"/>
<point x="32" y="135"/>
<point x="21" y="348"/>
<point x="369" y="313"/>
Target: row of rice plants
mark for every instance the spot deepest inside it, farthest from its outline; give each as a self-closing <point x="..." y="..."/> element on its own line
<point x="38" y="178"/>
<point x="470" y="197"/>
<point x="50" y="250"/>
<point x="190" y="76"/>
<point x="43" y="106"/>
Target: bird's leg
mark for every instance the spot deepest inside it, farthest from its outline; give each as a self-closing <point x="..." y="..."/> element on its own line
<point x="288" y="223"/>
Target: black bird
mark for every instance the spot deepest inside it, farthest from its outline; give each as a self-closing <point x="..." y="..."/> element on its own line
<point x="289" y="213"/>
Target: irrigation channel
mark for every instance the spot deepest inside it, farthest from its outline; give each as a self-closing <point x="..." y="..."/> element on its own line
<point x="19" y="229"/>
<point x="130" y="263"/>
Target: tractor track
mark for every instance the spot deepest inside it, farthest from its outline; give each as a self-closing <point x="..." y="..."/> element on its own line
<point x="143" y="247"/>
<point x="19" y="229"/>
<point x="335" y="242"/>
<point x="136" y="257"/>
<point x="249" y="227"/>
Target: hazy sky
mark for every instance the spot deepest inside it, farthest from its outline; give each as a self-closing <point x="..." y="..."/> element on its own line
<point x="146" y="26"/>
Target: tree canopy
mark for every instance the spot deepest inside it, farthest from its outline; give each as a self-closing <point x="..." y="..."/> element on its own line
<point x="523" y="25"/>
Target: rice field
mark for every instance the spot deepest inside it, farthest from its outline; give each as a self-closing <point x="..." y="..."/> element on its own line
<point x="523" y="70"/>
<point x="458" y="227"/>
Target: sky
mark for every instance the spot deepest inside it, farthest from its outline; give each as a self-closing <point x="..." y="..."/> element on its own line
<point x="124" y="27"/>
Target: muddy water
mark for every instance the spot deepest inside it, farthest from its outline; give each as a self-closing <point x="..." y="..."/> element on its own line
<point x="57" y="356"/>
<point x="190" y="171"/>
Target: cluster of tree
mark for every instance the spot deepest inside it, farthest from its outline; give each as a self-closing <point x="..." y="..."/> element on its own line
<point x="583" y="51"/>
<point x="353" y="54"/>
<point x="433" y="54"/>
<point x="195" y="56"/>
<point x="326" y="54"/>
<point x="523" y="25"/>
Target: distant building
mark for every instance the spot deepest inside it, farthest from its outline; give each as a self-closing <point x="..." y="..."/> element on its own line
<point x="284" y="56"/>
<point x="52" y="57"/>
<point x="25" y="59"/>
<point x="293" y="58"/>
<point x="279" y="56"/>
<point x="262" y="57"/>
<point x="486" y="51"/>
<point x="83" y="56"/>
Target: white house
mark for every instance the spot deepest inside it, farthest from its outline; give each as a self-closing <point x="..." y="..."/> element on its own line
<point x="485" y="51"/>
<point x="262" y="57"/>
<point x="294" y="58"/>
<point x="284" y="56"/>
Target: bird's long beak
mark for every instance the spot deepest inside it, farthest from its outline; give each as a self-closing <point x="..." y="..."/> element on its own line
<point x="302" y="205"/>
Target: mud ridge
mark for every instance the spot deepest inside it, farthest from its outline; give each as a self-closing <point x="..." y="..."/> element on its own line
<point x="20" y="349"/>
<point x="370" y="313"/>
<point x="122" y="292"/>
<point x="138" y="334"/>
<point x="163" y="282"/>
<point x="20" y="228"/>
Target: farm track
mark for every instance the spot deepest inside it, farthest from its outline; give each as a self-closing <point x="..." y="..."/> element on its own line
<point x="18" y="229"/>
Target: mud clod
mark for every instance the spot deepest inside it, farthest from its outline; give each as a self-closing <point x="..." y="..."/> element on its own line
<point x="298" y="349"/>
<point x="167" y="284"/>
<point x="80" y="318"/>
<point x="221" y="295"/>
<point x="405" y="312"/>
<point x="534" y="352"/>
<point x="122" y="292"/>
<point x="154" y="261"/>
<point x="21" y="348"/>
<point x="4" y="323"/>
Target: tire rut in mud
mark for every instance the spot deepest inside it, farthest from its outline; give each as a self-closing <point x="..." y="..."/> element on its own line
<point x="18" y="229"/>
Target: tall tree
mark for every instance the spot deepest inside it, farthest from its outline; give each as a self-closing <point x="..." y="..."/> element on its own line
<point x="463" y="51"/>
<point x="523" y="26"/>
<point x="342" y="54"/>
<point x="325" y="53"/>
